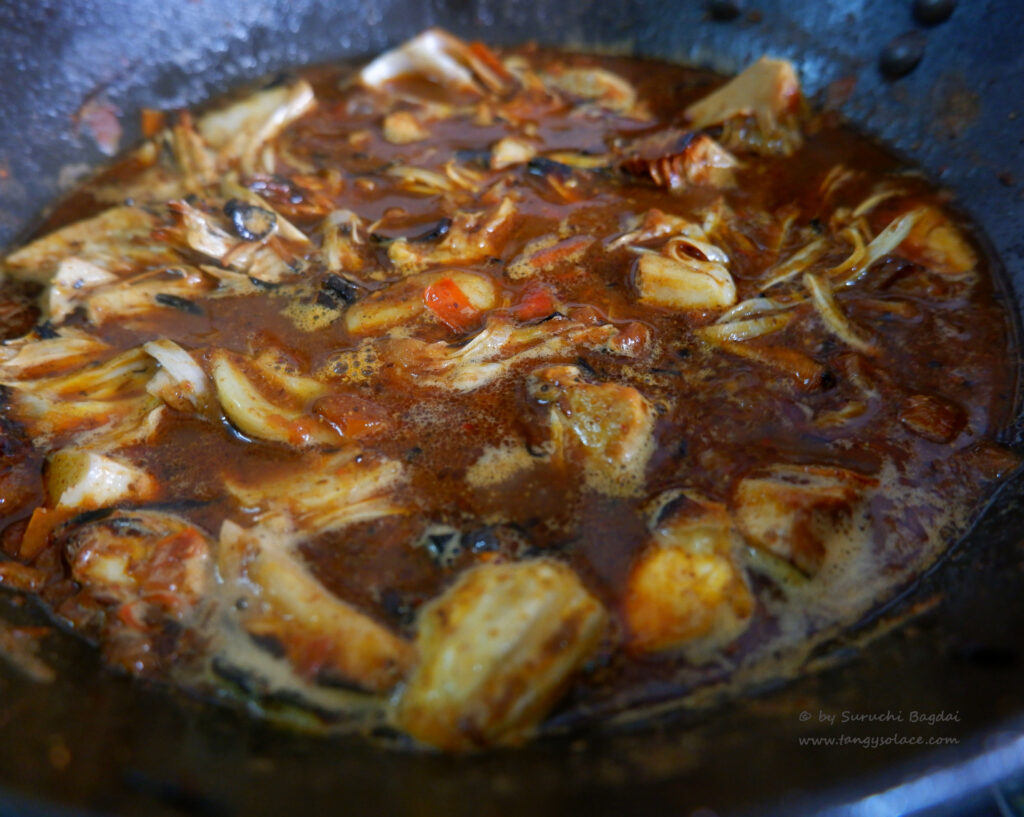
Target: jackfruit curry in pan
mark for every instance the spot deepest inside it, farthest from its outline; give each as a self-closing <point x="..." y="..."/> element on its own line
<point x="477" y="394"/>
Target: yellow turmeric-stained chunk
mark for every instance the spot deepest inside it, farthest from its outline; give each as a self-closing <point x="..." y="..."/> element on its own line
<point x="685" y="587"/>
<point x="936" y="243"/>
<point x="794" y="510"/>
<point x="608" y="425"/>
<point x="321" y="635"/>
<point x="495" y="653"/>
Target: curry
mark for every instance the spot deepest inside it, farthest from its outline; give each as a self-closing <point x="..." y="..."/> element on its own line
<point x="472" y="394"/>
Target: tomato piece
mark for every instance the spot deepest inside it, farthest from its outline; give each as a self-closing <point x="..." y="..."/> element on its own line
<point x="152" y="121"/>
<point x="353" y="417"/>
<point x="21" y="577"/>
<point x="538" y="301"/>
<point x="42" y="523"/>
<point x="450" y="305"/>
<point x="492" y="63"/>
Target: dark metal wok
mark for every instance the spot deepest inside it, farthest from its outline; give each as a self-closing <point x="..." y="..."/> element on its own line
<point x="95" y="742"/>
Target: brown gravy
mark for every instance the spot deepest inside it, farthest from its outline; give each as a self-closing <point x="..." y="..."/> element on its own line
<point x="910" y="407"/>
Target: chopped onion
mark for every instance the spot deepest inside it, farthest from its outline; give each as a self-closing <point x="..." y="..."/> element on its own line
<point x="824" y="299"/>
<point x="856" y="256"/>
<point x="743" y="329"/>
<point x="796" y="263"/>
<point x="753" y="307"/>
<point x="884" y="243"/>
<point x="871" y="202"/>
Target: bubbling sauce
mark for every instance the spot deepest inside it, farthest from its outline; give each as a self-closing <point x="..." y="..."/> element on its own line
<point x="483" y="392"/>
